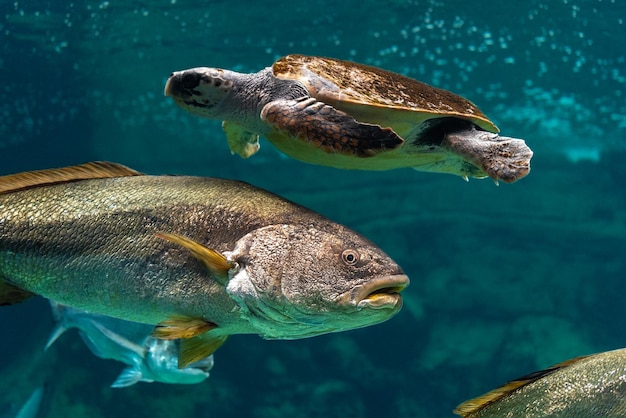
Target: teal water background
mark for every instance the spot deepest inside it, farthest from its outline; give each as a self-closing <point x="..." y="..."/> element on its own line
<point x="505" y="280"/>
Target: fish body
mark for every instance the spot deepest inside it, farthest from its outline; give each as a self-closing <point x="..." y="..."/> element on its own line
<point x="591" y="386"/>
<point x="189" y="254"/>
<point x="148" y="359"/>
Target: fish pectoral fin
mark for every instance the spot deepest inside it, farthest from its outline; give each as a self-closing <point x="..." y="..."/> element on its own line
<point x="10" y="295"/>
<point x="128" y="377"/>
<point x="93" y="170"/>
<point x="471" y="406"/>
<point x="181" y="327"/>
<point x="198" y="348"/>
<point x="215" y="262"/>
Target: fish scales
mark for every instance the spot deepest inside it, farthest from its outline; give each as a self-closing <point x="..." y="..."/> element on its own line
<point x="55" y="228"/>
<point x="581" y="388"/>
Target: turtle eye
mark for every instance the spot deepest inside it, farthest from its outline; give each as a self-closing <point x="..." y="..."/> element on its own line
<point x="350" y="257"/>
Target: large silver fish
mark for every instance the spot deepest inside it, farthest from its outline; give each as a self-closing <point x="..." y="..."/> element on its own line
<point x="149" y="359"/>
<point x="584" y="387"/>
<point x="201" y="258"/>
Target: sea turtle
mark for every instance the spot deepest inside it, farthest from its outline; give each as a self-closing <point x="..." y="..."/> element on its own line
<point x="352" y="116"/>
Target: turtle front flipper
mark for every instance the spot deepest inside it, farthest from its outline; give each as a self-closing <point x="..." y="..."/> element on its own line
<point x="329" y="129"/>
<point x="240" y="140"/>
<point x="501" y="158"/>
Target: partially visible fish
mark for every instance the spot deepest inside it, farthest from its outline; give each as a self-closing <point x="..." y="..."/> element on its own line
<point x="149" y="359"/>
<point x="584" y="387"/>
<point x="30" y="408"/>
<point x="200" y="258"/>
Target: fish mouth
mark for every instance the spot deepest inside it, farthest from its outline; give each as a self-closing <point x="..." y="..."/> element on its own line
<point x="381" y="293"/>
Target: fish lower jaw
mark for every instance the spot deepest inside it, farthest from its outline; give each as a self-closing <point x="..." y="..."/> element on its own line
<point x="381" y="301"/>
<point x="380" y="293"/>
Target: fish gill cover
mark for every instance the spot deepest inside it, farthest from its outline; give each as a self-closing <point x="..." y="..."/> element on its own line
<point x="506" y="280"/>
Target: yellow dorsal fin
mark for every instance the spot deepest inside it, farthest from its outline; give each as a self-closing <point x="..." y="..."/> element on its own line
<point x="473" y="405"/>
<point x="195" y="349"/>
<point x="182" y="327"/>
<point x="215" y="262"/>
<point x="93" y="170"/>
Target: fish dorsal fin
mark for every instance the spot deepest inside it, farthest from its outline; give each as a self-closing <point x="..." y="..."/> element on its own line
<point x="198" y="348"/>
<point x="473" y="405"/>
<point x="93" y="170"/>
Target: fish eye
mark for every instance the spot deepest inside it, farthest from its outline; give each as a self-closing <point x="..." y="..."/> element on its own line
<point x="350" y="257"/>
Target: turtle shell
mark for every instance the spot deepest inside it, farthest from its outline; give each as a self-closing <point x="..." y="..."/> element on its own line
<point x="377" y="96"/>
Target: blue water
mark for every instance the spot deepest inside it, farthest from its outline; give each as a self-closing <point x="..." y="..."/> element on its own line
<point x="505" y="280"/>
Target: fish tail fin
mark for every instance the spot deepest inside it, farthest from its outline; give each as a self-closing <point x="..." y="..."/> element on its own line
<point x="10" y="294"/>
<point x="57" y="331"/>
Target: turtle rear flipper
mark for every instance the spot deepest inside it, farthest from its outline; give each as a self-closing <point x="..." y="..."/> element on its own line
<point x="502" y="158"/>
<point x="329" y="129"/>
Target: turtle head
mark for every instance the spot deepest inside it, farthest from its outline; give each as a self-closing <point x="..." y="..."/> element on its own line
<point x="201" y="90"/>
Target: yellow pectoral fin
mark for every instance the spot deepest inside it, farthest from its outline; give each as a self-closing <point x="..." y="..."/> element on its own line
<point x="195" y="349"/>
<point x="215" y="262"/>
<point x="181" y="327"/>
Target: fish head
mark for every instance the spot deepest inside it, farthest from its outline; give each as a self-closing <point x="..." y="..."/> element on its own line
<point x="297" y="281"/>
